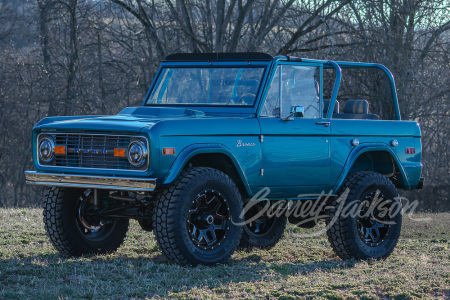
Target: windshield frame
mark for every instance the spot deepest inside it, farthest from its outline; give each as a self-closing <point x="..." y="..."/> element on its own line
<point x="233" y="109"/>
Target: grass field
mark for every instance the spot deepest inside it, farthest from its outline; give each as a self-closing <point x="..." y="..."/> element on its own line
<point x="298" y="267"/>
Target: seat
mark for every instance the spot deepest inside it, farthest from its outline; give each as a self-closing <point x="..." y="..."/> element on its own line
<point x="356" y="109"/>
<point x="326" y="105"/>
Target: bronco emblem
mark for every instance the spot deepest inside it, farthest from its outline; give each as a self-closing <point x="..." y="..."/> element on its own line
<point x="241" y="144"/>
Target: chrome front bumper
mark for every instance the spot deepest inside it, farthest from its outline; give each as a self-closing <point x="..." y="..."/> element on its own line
<point x="94" y="182"/>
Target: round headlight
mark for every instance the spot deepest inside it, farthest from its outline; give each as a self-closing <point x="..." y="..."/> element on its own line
<point x="137" y="152"/>
<point x="46" y="149"/>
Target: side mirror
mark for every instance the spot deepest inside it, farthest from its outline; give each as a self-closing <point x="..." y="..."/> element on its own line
<point x="296" y="112"/>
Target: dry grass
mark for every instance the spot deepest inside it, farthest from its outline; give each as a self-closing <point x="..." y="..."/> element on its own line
<point x="298" y="267"/>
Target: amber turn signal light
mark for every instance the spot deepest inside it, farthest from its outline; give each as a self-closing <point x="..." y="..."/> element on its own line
<point x="119" y="152"/>
<point x="60" y="150"/>
<point x="168" y="151"/>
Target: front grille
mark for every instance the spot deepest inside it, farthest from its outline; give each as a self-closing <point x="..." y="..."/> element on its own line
<point x="94" y="151"/>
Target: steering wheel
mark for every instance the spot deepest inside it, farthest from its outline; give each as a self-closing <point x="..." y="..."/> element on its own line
<point x="245" y="99"/>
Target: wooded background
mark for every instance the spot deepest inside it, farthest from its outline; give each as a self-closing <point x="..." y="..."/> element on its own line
<point x="75" y="57"/>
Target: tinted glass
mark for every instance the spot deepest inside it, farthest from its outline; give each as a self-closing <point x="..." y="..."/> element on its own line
<point x="207" y="86"/>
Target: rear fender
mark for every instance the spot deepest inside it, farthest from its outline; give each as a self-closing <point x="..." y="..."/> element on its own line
<point x="365" y="148"/>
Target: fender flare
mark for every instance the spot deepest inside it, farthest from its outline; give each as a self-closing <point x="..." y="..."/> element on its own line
<point x="364" y="148"/>
<point x="187" y="153"/>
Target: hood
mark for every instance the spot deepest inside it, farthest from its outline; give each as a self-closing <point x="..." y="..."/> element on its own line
<point x="131" y="119"/>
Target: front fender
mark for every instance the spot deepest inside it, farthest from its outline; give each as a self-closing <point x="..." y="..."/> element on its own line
<point x="193" y="150"/>
<point x="369" y="147"/>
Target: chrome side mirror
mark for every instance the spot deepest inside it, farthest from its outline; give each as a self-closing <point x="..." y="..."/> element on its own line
<point x="296" y="112"/>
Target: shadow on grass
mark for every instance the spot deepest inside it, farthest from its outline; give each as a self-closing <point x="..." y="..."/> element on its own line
<point x="286" y="269"/>
<point x="290" y="269"/>
<point x="145" y="275"/>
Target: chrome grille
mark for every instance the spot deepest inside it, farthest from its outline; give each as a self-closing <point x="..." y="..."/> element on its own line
<point x="94" y="151"/>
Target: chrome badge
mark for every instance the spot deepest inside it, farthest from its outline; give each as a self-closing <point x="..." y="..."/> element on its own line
<point x="242" y="144"/>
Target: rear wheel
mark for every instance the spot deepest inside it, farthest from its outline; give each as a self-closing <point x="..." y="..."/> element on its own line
<point x="368" y="223"/>
<point x="73" y="228"/>
<point x="195" y="218"/>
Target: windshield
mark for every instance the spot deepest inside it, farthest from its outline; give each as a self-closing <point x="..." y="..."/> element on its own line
<point x="213" y="86"/>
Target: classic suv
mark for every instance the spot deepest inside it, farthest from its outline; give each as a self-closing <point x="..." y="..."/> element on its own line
<point x="214" y="130"/>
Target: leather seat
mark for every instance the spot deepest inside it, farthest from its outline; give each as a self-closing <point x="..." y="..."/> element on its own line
<point x="326" y="105"/>
<point x="356" y="109"/>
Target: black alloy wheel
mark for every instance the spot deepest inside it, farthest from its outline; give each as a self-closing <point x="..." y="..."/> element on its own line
<point x="366" y="223"/>
<point x="372" y="223"/>
<point x="197" y="220"/>
<point x="91" y="227"/>
<point x="263" y="232"/>
<point x="73" y="226"/>
<point x="262" y="224"/>
<point x="208" y="220"/>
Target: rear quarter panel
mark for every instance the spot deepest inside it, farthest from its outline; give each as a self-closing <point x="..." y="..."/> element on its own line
<point x="376" y="132"/>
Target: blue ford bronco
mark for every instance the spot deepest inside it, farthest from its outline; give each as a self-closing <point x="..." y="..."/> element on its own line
<point x="213" y="132"/>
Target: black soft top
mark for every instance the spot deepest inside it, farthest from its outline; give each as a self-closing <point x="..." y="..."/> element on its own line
<point x="218" y="56"/>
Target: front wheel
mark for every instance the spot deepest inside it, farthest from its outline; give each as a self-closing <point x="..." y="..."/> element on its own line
<point x="73" y="228"/>
<point x="365" y="224"/>
<point x="196" y="219"/>
<point x="261" y="230"/>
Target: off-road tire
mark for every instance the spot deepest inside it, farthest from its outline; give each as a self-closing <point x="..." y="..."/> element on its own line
<point x="342" y="230"/>
<point x="265" y="241"/>
<point x="62" y="228"/>
<point x="172" y="210"/>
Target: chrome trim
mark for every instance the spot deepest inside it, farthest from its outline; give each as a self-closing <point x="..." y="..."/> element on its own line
<point x="52" y="150"/>
<point x="101" y="169"/>
<point x="144" y="153"/>
<point x="326" y="124"/>
<point x="355" y="142"/>
<point x="97" y="182"/>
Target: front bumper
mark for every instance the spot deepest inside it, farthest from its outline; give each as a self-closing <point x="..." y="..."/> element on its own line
<point x="94" y="182"/>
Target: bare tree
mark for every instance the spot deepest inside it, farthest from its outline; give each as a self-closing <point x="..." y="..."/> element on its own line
<point x="79" y="56"/>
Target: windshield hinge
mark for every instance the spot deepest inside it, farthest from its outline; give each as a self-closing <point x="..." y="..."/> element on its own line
<point x="261" y="138"/>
